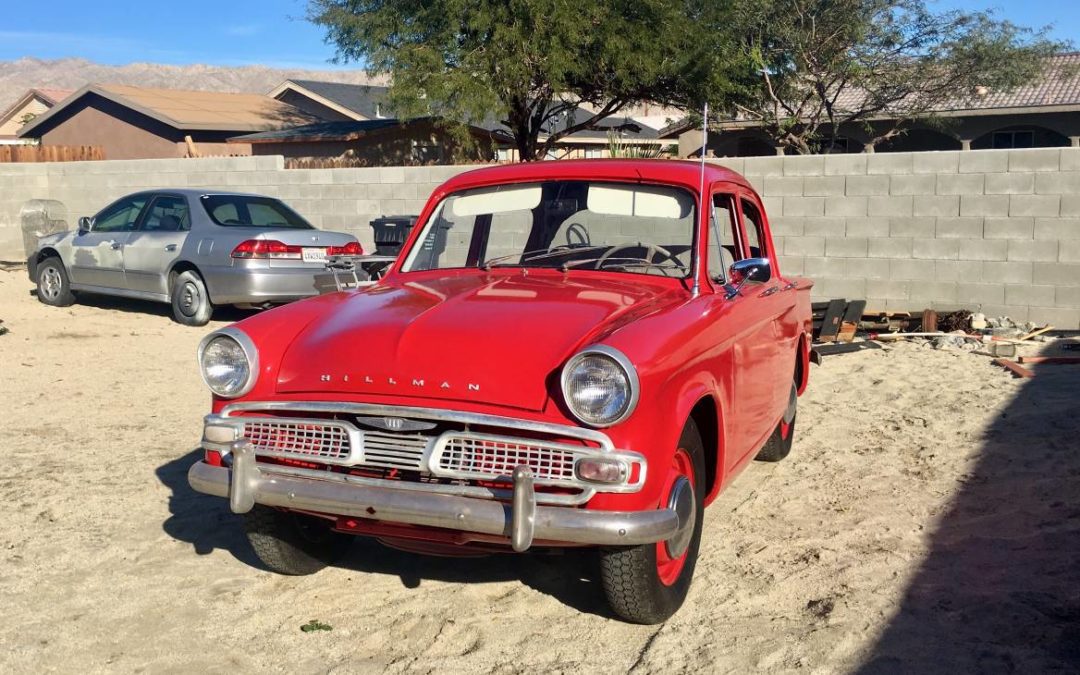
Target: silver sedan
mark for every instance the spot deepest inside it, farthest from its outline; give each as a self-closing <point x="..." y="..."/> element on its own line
<point x="191" y="248"/>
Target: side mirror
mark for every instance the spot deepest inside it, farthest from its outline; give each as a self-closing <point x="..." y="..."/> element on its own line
<point x="84" y="225"/>
<point x="758" y="270"/>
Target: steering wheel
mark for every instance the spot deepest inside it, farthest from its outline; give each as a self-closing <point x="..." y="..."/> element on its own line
<point x="650" y="251"/>
<point x="574" y="231"/>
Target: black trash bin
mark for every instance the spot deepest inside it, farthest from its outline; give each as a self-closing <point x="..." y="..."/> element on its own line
<point x="391" y="232"/>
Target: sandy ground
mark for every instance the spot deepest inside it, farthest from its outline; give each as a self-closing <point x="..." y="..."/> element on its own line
<point x="926" y="521"/>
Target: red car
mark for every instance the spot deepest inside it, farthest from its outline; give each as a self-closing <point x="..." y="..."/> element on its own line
<point x="565" y="354"/>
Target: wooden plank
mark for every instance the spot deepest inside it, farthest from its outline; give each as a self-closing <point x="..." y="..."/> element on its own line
<point x="850" y="323"/>
<point x="1050" y="359"/>
<point x="830" y="324"/>
<point x="1015" y="367"/>
<point x="929" y="320"/>
<point x="844" y="348"/>
<point x="1039" y="331"/>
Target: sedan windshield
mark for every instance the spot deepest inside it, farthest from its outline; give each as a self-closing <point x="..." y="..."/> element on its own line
<point x="568" y="225"/>
<point x="252" y="211"/>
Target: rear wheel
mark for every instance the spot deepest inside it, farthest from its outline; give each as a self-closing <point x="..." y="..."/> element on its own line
<point x="293" y="544"/>
<point x="53" y="286"/>
<point x="648" y="583"/>
<point x="190" y="302"/>
<point x="779" y="444"/>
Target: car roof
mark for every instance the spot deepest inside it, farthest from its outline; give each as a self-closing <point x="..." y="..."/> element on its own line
<point x="675" y="172"/>
<point x="197" y="192"/>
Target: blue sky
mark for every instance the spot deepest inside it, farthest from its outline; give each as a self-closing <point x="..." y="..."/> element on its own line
<point x="274" y="32"/>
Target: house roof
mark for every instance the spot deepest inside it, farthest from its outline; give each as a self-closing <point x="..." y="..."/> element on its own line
<point x="332" y="131"/>
<point x="627" y="127"/>
<point x="48" y="96"/>
<point x="359" y="101"/>
<point x="52" y="96"/>
<point x="184" y="110"/>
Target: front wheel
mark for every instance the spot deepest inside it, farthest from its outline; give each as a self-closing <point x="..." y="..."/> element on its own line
<point x="53" y="286"/>
<point x="647" y="584"/>
<point x="190" y="302"/>
<point x="293" y="544"/>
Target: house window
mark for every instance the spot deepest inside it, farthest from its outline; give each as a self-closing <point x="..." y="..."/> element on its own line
<point x="1004" y="140"/>
<point x="503" y="154"/>
<point x="594" y="153"/>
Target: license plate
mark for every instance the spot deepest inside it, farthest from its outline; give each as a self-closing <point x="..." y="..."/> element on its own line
<point x="313" y="255"/>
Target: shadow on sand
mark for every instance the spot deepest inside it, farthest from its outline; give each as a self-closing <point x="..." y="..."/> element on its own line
<point x="112" y="302"/>
<point x="1000" y="589"/>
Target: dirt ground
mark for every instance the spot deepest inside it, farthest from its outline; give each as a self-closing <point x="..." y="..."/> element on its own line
<point x="927" y="521"/>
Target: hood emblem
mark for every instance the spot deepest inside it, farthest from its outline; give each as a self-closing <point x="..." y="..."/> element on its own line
<point x="395" y="423"/>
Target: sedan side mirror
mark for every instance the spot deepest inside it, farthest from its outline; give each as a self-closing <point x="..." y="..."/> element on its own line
<point x="84" y="225"/>
<point x="758" y="270"/>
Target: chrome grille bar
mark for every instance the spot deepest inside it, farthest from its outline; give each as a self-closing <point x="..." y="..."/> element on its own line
<point x="394" y="451"/>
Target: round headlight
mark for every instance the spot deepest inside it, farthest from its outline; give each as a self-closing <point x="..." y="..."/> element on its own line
<point x="600" y="386"/>
<point x="228" y="363"/>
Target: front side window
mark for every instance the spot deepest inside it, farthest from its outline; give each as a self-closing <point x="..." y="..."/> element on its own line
<point x="723" y="246"/>
<point x="252" y="211"/>
<point x="754" y="233"/>
<point x="121" y="216"/>
<point x="569" y="225"/>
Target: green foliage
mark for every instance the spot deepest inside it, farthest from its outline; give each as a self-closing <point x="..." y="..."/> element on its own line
<point x="315" y="625"/>
<point x="821" y="64"/>
<point x="620" y="147"/>
<point x="523" y="63"/>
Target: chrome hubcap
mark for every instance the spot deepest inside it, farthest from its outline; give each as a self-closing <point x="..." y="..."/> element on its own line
<point x="51" y="283"/>
<point x="189" y="299"/>
<point x="682" y="502"/>
<point x="793" y="399"/>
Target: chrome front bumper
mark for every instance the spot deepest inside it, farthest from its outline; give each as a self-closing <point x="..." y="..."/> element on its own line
<point x="522" y="521"/>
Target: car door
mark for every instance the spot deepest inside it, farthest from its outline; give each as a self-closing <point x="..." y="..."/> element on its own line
<point x="156" y="243"/>
<point x="98" y="255"/>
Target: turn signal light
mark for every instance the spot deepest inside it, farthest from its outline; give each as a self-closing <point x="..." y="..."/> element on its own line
<point x="352" y="248"/>
<point x="600" y="470"/>
<point x="261" y="249"/>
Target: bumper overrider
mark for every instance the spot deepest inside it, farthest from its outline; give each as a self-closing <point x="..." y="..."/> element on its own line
<point x="517" y="515"/>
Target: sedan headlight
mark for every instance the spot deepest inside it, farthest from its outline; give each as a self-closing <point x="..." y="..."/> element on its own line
<point x="229" y="362"/>
<point x="600" y="386"/>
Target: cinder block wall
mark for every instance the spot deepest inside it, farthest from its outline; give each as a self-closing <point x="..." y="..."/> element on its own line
<point x="990" y="230"/>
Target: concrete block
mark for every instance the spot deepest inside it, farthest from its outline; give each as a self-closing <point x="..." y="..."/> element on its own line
<point x="1008" y="228"/>
<point x="1040" y="159"/>
<point x="846" y="247"/>
<point x="1055" y="274"/>
<point x="929" y="292"/>
<point x="984" y="161"/>
<point x="824" y="227"/>
<point x="1057" y="228"/>
<point x="818" y="267"/>
<point x="804" y="165"/>
<point x="846" y="206"/>
<point x="321" y="176"/>
<point x="892" y="247"/>
<point x="1064" y="296"/>
<point x="889" y="289"/>
<point x="890" y="163"/>
<point x="867" y="227"/>
<point x="1014" y="312"/>
<point x="960" y="184"/>
<point x="864" y="268"/>
<point x="1070" y="205"/>
<point x="1032" y="251"/>
<point x="774" y="206"/>
<point x="845" y="165"/>
<point x="823" y="186"/>
<point x="959" y="228"/>
<point x="1059" y="317"/>
<point x="900" y="205"/>
<point x="764" y="166"/>
<point x="913" y="227"/>
<point x="980" y="294"/>
<point x="936" y="162"/>
<point x="804" y="246"/>
<point x="804" y="206"/>
<point x="958" y="270"/>
<point x="756" y="182"/>
<point x="912" y="184"/>
<point x="912" y="269"/>
<point x="392" y="174"/>
<point x="1026" y="294"/>
<point x="1057" y="183"/>
<point x="736" y="164"/>
<point x="1034" y="205"/>
<point x="791" y="264"/>
<point x="1070" y="159"/>
<point x="787" y="226"/>
<point x="783" y="186"/>
<point x="836" y="287"/>
<point x="1010" y="183"/>
<point x="867" y="185"/>
<point x="985" y="205"/>
<point x="984" y="249"/>
<point x="935" y="249"/>
<point x="936" y="205"/>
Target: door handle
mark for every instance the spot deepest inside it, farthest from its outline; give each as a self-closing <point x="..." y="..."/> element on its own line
<point x="116" y="246"/>
<point x="791" y="285"/>
<point x="769" y="291"/>
<point x="170" y="248"/>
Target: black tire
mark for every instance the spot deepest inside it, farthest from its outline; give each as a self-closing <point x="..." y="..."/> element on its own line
<point x="630" y="575"/>
<point x="191" y="304"/>
<point x="779" y="444"/>
<point x="293" y="544"/>
<point x="53" y="286"/>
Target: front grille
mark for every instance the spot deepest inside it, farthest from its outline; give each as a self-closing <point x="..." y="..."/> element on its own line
<point x="471" y="457"/>
<point x="315" y="440"/>
<point x="394" y="450"/>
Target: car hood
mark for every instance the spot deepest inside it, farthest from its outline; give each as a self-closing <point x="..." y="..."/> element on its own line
<point x="484" y="338"/>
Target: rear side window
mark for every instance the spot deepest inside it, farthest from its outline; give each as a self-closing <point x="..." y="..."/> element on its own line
<point x="168" y="213"/>
<point x="249" y="211"/>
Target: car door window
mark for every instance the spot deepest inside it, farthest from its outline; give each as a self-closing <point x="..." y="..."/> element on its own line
<point x="121" y="216"/>
<point x="723" y="237"/>
<point x="168" y="213"/>
<point x="755" y="236"/>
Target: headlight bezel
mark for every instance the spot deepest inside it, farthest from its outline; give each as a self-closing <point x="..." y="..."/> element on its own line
<point x="247" y="346"/>
<point x="622" y="362"/>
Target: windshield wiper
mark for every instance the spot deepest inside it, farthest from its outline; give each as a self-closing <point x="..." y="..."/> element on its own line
<point x="545" y="253"/>
<point x="630" y="262"/>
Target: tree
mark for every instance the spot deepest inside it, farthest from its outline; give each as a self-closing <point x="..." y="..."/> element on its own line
<point x="879" y="64"/>
<point x="529" y="64"/>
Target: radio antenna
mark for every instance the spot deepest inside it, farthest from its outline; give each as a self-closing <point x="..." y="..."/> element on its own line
<point x="701" y="190"/>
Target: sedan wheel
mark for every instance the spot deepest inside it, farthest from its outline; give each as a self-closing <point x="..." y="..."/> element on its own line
<point x="190" y="302"/>
<point x="53" y="287"/>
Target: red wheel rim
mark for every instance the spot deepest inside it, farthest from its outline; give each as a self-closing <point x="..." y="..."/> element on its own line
<point x="668" y="568"/>
<point x="785" y="429"/>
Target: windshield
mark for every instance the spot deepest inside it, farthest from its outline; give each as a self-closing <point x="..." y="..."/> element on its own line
<point x="252" y="211"/>
<point x="624" y="227"/>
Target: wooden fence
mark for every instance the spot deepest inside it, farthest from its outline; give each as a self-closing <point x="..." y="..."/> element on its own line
<point x="50" y="153"/>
